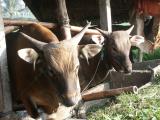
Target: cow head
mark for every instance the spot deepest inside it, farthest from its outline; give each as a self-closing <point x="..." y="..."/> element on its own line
<point x="62" y="60"/>
<point x="117" y="48"/>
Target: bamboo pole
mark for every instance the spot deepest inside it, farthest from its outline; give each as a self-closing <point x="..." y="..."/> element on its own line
<point x="89" y="95"/>
<point x="52" y="26"/>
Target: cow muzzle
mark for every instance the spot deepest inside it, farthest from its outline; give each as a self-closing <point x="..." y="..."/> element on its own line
<point x="71" y="99"/>
<point x="125" y="68"/>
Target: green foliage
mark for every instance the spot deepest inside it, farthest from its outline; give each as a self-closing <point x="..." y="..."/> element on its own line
<point x="151" y="56"/>
<point x="142" y="106"/>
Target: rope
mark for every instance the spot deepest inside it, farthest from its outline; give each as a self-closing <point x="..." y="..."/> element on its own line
<point x="101" y="58"/>
<point x="92" y="77"/>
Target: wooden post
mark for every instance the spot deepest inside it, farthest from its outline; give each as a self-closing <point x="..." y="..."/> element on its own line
<point x="63" y="19"/>
<point x="105" y="15"/>
<point x="140" y="31"/>
<point x="5" y="93"/>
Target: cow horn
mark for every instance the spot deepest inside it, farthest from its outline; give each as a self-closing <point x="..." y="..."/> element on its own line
<point x="76" y="39"/>
<point x="38" y="44"/>
<point x="103" y="32"/>
<point x="130" y="29"/>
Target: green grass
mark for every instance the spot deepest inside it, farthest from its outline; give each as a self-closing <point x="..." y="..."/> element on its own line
<point x="142" y="106"/>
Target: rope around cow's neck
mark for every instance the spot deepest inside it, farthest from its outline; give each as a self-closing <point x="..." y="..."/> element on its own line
<point x="101" y="58"/>
<point x="92" y="76"/>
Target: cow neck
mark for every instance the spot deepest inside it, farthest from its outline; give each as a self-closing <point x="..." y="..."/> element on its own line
<point x="104" y="59"/>
<point x="98" y="69"/>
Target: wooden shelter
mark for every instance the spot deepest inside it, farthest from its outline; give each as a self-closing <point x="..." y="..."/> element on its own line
<point x="55" y="11"/>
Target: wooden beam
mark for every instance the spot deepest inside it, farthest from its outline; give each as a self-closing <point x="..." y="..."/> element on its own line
<point x="5" y="93"/>
<point x="12" y="22"/>
<point x="52" y="26"/>
<point x="140" y="31"/>
<point x="63" y="19"/>
<point x="105" y="15"/>
<point x="101" y="94"/>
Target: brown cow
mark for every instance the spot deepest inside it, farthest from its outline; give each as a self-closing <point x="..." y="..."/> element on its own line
<point x="115" y="53"/>
<point x="53" y="74"/>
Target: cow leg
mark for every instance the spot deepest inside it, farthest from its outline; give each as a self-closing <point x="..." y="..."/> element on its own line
<point x="30" y="107"/>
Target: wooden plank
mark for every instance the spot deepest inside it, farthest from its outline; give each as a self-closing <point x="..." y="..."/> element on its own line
<point x="105" y="15"/>
<point x="5" y="96"/>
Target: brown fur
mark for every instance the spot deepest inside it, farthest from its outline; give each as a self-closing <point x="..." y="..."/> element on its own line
<point x="25" y="85"/>
<point x="115" y="54"/>
<point x="36" y="87"/>
<point x="55" y="78"/>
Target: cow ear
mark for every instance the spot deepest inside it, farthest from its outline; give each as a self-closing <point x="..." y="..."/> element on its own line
<point x="28" y="54"/>
<point x="98" y="39"/>
<point x="89" y="51"/>
<point x="136" y="40"/>
<point x="146" y="47"/>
